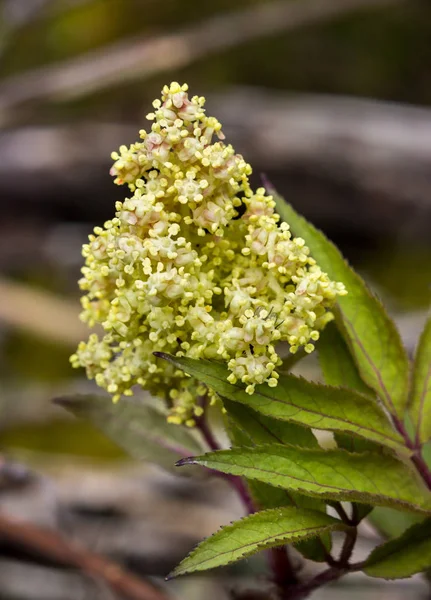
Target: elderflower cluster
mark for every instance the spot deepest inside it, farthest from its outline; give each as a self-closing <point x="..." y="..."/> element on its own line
<point x="195" y="263"/>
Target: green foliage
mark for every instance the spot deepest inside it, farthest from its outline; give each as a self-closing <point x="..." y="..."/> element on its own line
<point x="139" y="429"/>
<point x="403" y="556"/>
<point x="337" y="364"/>
<point x="421" y="388"/>
<point x="377" y="463"/>
<point x="372" y="336"/>
<point x="247" y="427"/>
<point x="257" y="429"/>
<point x="295" y="399"/>
<point x="339" y="369"/>
<point x="391" y="523"/>
<point x="328" y="474"/>
<point x="259" y="531"/>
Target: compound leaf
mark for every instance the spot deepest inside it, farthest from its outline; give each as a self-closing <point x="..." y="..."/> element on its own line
<point x="391" y="523"/>
<point x="258" y="429"/>
<point x="336" y="361"/>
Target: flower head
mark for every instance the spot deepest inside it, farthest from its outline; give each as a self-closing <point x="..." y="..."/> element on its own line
<point x="196" y="264"/>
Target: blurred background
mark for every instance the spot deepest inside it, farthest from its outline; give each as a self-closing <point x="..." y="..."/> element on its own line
<point x="330" y="99"/>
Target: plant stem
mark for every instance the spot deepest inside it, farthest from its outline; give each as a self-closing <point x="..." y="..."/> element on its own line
<point x="236" y="482"/>
<point x="279" y="560"/>
<point x="301" y="591"/>
<point x="416" y="458"/>
<point x="347" y="549"/>
<point x="283" y="572"/>
<point x="206" y="432"/>
<point x="338" y="507"/>
<point x="422" y="468"/>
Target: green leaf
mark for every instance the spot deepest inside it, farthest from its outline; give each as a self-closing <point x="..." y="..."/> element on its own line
<point x="258" y="429"/>
<point x="366" y="477"/>
<point x="339" y="369"/>
<point x="403" y="556"/>
<point x="295" y="399"/>
<point x="420" y="408"/>
<point x="244" y="430"/>
<point x="337" y="363"/>
<point x="139" y="429"/>
<point x="249" y="428"/>
<point x="370" y="333"/>
<point x="391" y="523"/>
<point x="257" y="532"/>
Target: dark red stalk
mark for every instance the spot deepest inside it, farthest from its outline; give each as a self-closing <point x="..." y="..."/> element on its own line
<point x="279" y="560"/>
<point x="416" y="458"/>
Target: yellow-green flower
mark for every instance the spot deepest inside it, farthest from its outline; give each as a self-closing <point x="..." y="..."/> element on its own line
<point x="195" y="264"/>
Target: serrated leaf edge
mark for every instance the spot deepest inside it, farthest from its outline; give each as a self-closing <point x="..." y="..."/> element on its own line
<point x="420" y="438"/>
<point x="394" y="333"/>
<point x="346" y="495"/>
<point x="406" y="535"/>
<point x="393" y="442"/>
<point x="311" y="532"/>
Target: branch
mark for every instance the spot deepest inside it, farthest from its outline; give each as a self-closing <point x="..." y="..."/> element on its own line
<point x="141" y="59"/>
<point x="300" y="592"/>
<point x="237" y="483"/>
<point x="72" y="554"/>
<point x="416" y="458"/>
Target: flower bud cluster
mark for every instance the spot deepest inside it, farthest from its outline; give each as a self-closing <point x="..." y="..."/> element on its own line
<point x="194" y="264"/>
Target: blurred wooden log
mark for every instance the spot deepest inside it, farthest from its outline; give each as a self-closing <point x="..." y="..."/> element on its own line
<point x="71" y="554"/>
<point x="138" y="514"/>
<point x="139" y="59"/>
<point x="147" y="520"/>
<point x="378" y="146"/>
<point x="369" y="162"/>
<point x="375" y="145"/>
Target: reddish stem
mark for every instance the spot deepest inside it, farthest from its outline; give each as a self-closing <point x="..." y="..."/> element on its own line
<point x="416" y="458"/>
<point x="236" y="482"/>
<point x="301" y="591"/>
<point x="283" y="572"/>
<point x="281" y="567"/>
<point x="422" y="468"/>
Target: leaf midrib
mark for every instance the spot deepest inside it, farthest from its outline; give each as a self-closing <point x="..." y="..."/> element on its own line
<point x="319" y="528"/>
<point x="307" y="410"/>
<point x="422" y="400"/>
<point x="338" y="489"/>
<point x="367" y="357"/>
